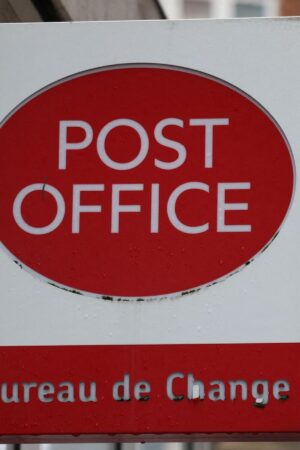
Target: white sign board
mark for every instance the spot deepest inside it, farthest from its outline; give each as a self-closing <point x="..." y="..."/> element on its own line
<point x="244" y="314"/>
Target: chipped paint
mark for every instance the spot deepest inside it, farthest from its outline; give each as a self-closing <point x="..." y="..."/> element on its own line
<point x="144" y="399"/>
<point x="18" y="264"/>
<point x="178" y="398"/>
<point x="257" y="404"/>
<point x="73" y="291"/>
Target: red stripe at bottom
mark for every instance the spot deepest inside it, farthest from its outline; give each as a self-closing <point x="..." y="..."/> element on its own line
<point x="148" y="390"/>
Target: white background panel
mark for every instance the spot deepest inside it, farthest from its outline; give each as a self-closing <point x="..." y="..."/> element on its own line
<point x="259" y="304"/>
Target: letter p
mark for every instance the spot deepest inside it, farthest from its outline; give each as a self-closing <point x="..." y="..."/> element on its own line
<point x="64" y="145"/>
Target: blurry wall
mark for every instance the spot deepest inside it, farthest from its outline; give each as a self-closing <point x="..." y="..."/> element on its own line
<point x="290" y="8"/>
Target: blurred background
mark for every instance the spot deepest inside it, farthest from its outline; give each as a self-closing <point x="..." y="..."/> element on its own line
<point x="62" y="10"/>
<point x="80" y="10"/>
<point x="160" y="446"/>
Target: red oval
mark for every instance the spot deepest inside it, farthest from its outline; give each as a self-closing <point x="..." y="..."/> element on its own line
<point x="235" y="174"/>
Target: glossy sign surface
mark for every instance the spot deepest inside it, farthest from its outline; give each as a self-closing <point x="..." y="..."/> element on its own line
<point x="165" y="406"/>
<point x="141" y="181"/>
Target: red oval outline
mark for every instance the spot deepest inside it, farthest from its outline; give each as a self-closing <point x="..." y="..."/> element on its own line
<point x="177" y="294"/>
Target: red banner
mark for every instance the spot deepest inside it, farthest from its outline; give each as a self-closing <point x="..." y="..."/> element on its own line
<point x="149" y="389"/>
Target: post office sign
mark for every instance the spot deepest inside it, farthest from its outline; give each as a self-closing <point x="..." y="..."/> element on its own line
<point x="149" y="231"/>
